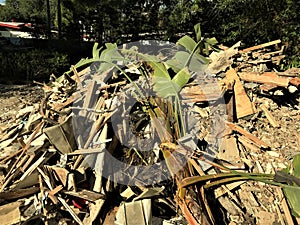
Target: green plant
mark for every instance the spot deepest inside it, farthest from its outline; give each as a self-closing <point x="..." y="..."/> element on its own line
<point x="26" y="65"/>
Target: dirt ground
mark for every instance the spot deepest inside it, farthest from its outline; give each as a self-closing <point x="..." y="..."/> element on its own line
<point x="14" y="98"/>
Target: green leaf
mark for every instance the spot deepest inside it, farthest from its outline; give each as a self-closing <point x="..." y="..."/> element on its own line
<point x="291" y="193"/>
<point x="296" y="166"/>
<point x="197" y="32"/>
<point x="96" y="52"/>
<point x="182" y="77"/>
<point x="187" y="42"/>
<point x="292" y="196"/>
<point x="195" y="179"/>
<point x="211" y="41"/>
<point x="164" y="86"/>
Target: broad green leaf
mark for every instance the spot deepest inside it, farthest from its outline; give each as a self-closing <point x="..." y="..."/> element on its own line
<point x="206" y="48"/>
<point x="293" y="199"/>
<point x="292" y="194"/>
<point x="110" y="56"/>
<point x="296" y="166"/>
<point x="96" y="51"/>
<point x="197" y="63"/>
<point x="111" y="46"/>
<point x="164" y="86"/>
<point x="197" y="32"/>
<point x="182" y="77"/>
<point x="211" y="41"/>
<point x="187" y="42"/>
<point x="160" y="70"/>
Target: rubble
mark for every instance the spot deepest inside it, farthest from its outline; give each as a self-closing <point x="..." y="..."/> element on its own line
<point x="52" y="173"/>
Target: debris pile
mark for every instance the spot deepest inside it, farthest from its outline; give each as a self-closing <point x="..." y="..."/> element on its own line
<point x="56" y="166"/>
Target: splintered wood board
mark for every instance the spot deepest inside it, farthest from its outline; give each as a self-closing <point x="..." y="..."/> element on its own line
<point x="244" y="107"/>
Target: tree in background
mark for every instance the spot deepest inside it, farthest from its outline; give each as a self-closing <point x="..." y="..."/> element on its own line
<point x="252" y="21"/>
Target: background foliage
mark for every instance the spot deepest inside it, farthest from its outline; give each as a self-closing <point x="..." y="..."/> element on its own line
<point x="251" y="21"/>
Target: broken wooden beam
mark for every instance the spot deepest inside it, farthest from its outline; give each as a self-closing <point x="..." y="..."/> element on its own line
<point x="265" y="78"/>
<point x="250" y="136"/>
<point x="244" y="107"/>
<point x="256" y="47"/>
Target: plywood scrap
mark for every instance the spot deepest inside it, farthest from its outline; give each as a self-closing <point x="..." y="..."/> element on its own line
<point x="228" y="150"/>
<point x="62" y="136"/>
<point x="244" y="107"/>
<point x="133" y="213"/>
<point x="10" y="213"/>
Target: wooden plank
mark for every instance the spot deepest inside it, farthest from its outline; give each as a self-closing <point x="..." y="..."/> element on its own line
<point x="265" y="78"/>
<point x="260" y="46"/>
<point x="269" y="116"/>
<point x="244" y="107"/>
<point x="250" y="136"/>
<point x="18" y="193"/>
<point x="10" y="213"/>
<point x="90" y="98"/>
<point x="295" y="81"/>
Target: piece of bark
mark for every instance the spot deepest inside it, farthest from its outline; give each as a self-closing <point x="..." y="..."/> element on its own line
<point x="265" y="78"/>
<point x="250" y="136"/>
<point x="244" y="107"/>
<point x="260" y="46"/>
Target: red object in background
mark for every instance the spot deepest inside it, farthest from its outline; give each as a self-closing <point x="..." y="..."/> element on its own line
<point x="79" y="203"/>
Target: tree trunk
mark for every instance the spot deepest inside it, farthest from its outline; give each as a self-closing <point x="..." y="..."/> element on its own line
<point x="59" y="18"/>
<point x="48" y="19"/>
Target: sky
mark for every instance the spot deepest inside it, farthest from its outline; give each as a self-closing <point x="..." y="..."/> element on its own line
<point x="2" y="1"/>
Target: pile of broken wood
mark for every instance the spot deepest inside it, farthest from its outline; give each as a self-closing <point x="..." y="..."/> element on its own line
<point x="44" y="178"/>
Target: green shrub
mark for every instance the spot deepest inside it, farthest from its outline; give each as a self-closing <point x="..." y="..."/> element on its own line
<point x="26" y="65"/>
